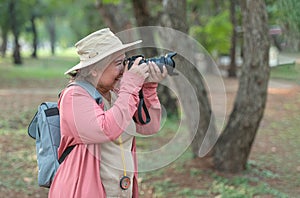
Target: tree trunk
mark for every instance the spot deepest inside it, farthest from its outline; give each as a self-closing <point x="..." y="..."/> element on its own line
<point x="4" y="27"/>
<point x="234" y="145"/>
<point x="52" y="33"/>
<point x="232" y="66"/>
<point x="4" y="43"/>
<point x="16" y="32"/>
<point x="175" y="17"/>
<point x="142" y="13"/>
<point x="114" y="16"/>
<point x="16" y="53"/>
<point x="35" y="37"/>
<point x="144" y="18"/>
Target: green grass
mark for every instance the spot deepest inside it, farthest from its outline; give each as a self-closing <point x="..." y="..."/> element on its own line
<point x="164" y="187"/>
<point x="44" y="72"/>
<point x="169" y="128"/>
<point x="242" y="187"/>
<point x="18" y="167"/>
<point x="248" y="184"/>
<point x="191" y="193"/>
<point x="286" y="158"/>
<point x="289" y="72"/>
<point x="42" y="68"/>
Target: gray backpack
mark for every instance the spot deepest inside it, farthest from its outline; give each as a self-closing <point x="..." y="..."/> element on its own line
<point x="45" y="129"/>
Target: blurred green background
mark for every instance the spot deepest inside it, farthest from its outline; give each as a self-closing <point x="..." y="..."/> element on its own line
<point x="37" y="39"/>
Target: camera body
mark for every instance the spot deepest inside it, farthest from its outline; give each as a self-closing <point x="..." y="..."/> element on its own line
<point x="159" y="61"/>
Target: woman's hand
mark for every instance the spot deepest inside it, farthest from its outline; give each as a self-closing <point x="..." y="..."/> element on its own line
<point x="141" y="70"/>
<point x="155" y="74"/>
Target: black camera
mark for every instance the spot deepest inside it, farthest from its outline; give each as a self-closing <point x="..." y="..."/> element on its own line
<point x="160" y="62"/>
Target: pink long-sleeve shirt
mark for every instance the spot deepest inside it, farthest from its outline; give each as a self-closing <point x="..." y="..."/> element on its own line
<point x="85" y="124"/>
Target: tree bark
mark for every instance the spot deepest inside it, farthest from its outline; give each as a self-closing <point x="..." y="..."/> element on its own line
<point x="114" y="16"/>
<point x="234" y="145"/>
<point x="175" y="17"/>
<point x="52" y="33"/>
<point x="144" y="18"/>
<point x="35" y="37"/>
<point x="16" y="32"/>
<point x="232" y="66"/>
<point x="142" y="13"/>
<point x="4" y="43"/>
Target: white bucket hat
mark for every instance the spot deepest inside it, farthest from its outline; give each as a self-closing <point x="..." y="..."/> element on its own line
<point x="97" y="46"/>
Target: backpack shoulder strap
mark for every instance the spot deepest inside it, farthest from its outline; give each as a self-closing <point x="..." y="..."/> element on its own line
<point x="89" y="88"/>
<point x="65" y="153"/>
<point x="98" y="98"/>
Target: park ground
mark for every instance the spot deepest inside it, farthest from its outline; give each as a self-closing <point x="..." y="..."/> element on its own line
<point x="273" y="169"/>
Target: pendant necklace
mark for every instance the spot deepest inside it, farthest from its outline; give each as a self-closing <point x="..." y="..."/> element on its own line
<point x="125" y="180"/>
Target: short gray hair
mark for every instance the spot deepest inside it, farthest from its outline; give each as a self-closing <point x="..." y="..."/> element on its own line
<point x="86" y="72"/>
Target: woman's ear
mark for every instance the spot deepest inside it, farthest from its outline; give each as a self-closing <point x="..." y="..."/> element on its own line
<point x="94" y="73"/>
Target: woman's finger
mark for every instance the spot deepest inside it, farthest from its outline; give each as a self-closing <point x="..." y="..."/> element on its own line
<point x="151" y="68"/>
<point x="157" y="70"/>
<point x="165" y="71"/>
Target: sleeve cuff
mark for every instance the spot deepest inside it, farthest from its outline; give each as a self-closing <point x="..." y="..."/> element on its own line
<point x="131" y="83"/>
<point x="150" y="85"/>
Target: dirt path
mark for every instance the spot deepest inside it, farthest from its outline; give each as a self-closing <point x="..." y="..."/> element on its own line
<point x="18" y="104"/>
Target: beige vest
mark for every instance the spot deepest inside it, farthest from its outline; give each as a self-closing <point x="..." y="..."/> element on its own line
<point x="112" y="166"/>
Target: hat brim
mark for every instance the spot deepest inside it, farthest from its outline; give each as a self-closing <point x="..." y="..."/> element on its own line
<point x="83" y="64"/>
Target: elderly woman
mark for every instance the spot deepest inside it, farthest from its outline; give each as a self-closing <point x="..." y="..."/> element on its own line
<point x="103" y="161"/>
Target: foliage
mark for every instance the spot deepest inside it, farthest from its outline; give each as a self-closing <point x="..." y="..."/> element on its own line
<point x="22" y="14"/>
<point x="4" y="19"/>
<point x="215" y="34"/>
<point x="288" y="11"/>
<point x="81" y="20"/>
<point x="74" y="19"/>
<point x="111" y="1"/>
<point x="284" y="13"/>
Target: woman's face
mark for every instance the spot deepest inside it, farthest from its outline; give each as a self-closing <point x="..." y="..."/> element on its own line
<point x="112" y="74"/>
